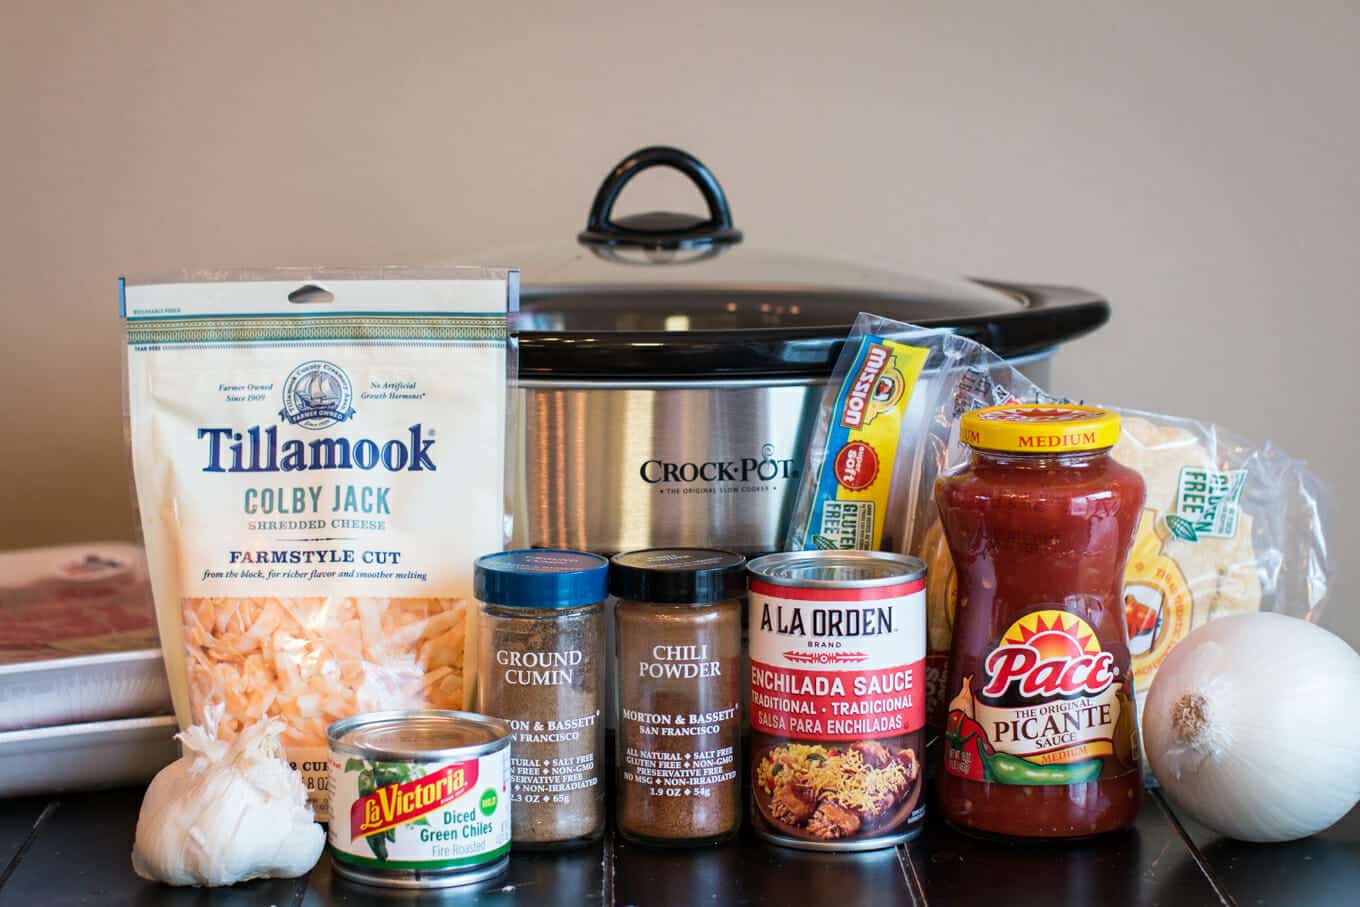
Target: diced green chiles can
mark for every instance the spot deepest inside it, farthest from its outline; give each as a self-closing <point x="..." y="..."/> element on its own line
<point x="419" y="799"/>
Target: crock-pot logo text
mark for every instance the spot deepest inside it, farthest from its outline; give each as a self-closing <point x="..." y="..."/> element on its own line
<point x="765" y="468"/>
<point x="1049" y="654"/>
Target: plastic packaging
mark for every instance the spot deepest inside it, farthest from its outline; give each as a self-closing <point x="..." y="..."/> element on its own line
<point x="1228" y="526"/>
<point x="67" y="600"/>
<point x="319" y="458"/>
<point x="77" y="636"/>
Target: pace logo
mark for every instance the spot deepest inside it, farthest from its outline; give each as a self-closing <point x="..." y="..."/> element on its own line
<point x="316" y="395"/>
<point x="1049" y="653"/>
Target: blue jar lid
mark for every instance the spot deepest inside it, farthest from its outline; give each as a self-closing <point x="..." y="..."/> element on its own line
<point x="541" y="578"/>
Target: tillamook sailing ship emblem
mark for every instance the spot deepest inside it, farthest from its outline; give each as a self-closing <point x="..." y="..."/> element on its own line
<point x="316" y="395"/>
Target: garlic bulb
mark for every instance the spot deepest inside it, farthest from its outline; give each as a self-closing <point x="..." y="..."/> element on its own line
<point x="226" y="812"/>
<point x="1250" y="727"/>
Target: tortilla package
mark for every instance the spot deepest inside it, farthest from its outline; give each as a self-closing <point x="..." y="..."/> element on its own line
<point x="319" y="458"/>
<point x="1227" y="527"/>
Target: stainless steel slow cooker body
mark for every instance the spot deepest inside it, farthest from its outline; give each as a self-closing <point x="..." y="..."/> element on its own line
<point x="670" y="376"/>
<point x="613" y="466"/>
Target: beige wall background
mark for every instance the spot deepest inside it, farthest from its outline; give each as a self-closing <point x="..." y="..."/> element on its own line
<point x="1195" y="161"/>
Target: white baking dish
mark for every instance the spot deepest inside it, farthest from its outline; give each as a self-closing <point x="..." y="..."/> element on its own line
<point x="85" y="756"/>
<point x="77" y="636"/>
<point x="83" y="688"/>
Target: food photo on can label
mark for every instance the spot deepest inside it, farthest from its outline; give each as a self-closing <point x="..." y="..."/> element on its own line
<point x="664" y="456"/>
<point x="834" y="793"/>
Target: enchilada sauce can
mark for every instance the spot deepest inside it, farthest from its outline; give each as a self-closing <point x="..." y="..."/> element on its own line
<point x="419" y="799"/>
<point x="838" y="697"/>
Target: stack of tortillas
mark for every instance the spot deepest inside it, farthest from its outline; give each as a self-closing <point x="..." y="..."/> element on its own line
<point x="1208" y="577"/>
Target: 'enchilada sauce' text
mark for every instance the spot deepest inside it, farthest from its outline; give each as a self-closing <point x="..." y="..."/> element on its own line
<point x="1041" y="733"/>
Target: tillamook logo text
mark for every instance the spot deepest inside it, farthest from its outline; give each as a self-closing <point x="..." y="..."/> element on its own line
<point x="257" y="450"/>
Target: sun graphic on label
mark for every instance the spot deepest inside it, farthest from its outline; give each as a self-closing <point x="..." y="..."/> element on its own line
<point x="1053" y="634"/>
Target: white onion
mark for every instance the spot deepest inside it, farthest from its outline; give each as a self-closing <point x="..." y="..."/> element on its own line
<point x="1251" y="727"/>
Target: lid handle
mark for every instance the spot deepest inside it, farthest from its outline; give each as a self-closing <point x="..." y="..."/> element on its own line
<point x="660" y="229"/>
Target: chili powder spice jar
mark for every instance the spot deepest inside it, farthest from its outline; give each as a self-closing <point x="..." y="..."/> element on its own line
<point x="541" y="668"/>
<point x="678" y="638"/>
<point x="1041" y="736"/>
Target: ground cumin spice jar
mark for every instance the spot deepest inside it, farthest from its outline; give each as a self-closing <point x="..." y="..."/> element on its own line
<point x="540" y="667"/>
<point x="678" y="637"/>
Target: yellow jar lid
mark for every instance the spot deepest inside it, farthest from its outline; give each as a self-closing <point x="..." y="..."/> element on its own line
<point x="1040" y="428"/>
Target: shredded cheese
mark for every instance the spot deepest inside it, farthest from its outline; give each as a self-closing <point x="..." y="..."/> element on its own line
<point x="312" y="661"/>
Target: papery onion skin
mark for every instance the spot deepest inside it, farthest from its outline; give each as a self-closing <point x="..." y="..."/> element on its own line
<point x="1252" y="727"/>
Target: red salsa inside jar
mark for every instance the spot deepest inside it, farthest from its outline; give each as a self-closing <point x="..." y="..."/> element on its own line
<point x="1041" y="733"/>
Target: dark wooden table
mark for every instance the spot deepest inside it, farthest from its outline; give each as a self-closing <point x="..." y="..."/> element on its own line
<point x="74" y="849"/>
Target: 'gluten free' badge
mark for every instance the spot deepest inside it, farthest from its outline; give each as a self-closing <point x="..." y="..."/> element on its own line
<point x="1206" y="503"/>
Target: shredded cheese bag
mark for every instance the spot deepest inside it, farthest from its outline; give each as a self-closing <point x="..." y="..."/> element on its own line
<point x="319" y="458"/>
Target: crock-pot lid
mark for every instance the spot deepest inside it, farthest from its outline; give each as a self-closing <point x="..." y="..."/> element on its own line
<point x="666" y="295"/>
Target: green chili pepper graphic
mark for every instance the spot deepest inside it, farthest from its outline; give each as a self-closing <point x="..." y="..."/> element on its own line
<point x="1007" y="769"/>
<point x="1003" y="768"/>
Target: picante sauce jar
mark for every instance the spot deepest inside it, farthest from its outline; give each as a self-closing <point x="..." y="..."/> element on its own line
<point x="1041" y="732"/>
<point x="680" y="679"/>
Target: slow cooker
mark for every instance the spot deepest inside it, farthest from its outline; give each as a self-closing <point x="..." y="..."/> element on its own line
<point x="670" y="370"/>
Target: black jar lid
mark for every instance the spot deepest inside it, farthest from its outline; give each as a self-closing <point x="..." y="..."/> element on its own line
<point x="677" y="576"/>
